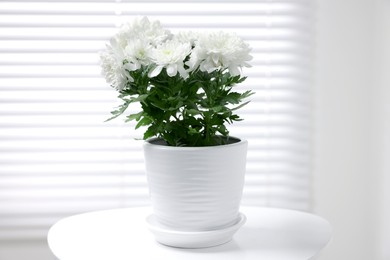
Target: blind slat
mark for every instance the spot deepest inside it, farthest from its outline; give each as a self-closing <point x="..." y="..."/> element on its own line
<point x="133" y="7"/>
<point x="41" y="33"/>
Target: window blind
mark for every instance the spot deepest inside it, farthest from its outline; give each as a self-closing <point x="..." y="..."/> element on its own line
<point x="57" y="155"/>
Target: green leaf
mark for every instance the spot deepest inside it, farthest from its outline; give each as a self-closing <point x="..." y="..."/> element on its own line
<point x="193" y="131"/>
<point x="240" y="106"/>
<point x="234" y="118"/>
<point x="240" y="80"/>
<point x="233" y="98"/>
<point x="119" y="111"/>
<point x="217" y="109"/>
<point x="222" y="129"/>
<point x="136" y="117"/>
<point x="247" y="94"/>
<point x="192" y="112"/>
<point x="140" y="98"/>
<point x="143" y="122"/>
<point x="150" y="132"/>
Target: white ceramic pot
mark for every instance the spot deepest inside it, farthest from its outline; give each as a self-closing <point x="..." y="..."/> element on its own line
<point x="196" y="188"/>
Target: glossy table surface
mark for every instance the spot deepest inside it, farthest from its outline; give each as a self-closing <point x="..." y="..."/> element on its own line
<point x="269" y="234"/>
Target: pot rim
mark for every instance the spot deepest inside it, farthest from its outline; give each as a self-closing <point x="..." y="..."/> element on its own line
<point x="148" y="143"/>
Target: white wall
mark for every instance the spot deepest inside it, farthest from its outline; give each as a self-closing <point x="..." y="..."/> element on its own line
<point x="382" y="122"/>
<point x="350" y="129"/>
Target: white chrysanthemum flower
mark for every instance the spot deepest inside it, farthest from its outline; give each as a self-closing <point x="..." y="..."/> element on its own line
<point x="186" y="37"/>
<point x="129" y="49"/>
<point x="111" y="61"/>
<point x="218" y="51"/>
<point x="137" y="53"/>
<point x="151" y="32"/>
<point x="170" y="55"/>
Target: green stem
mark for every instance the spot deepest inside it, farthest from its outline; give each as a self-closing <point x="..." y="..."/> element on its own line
<point x="207" y="135"/>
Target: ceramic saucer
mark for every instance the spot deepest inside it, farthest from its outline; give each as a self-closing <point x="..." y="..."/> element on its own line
<point x="193" y="239"/>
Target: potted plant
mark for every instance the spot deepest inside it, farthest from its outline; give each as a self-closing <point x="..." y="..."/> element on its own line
<point x="181" y="88"/>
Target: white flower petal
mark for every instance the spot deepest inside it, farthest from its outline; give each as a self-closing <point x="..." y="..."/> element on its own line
<point x="155" y="72"/>
<point x="183" y="73"/>
<point x="132" y="66"/>
<point x="215" y="58"/>
<point x="234" y="71"/>
<point x="172" y="70"/>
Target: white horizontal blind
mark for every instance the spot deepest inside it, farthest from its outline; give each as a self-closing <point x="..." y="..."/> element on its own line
<point x="58" y="157"/>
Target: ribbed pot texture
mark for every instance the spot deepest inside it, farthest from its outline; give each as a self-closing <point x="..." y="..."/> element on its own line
<point x="195" y="188"/>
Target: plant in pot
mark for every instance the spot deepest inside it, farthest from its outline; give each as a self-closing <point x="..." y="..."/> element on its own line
<point x="181" y="88"/>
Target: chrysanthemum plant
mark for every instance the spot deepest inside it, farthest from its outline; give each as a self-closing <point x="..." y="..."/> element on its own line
<point x="183" y="83"/>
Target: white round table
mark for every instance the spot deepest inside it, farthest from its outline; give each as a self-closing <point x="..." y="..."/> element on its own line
<point x="269" y="234"/>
